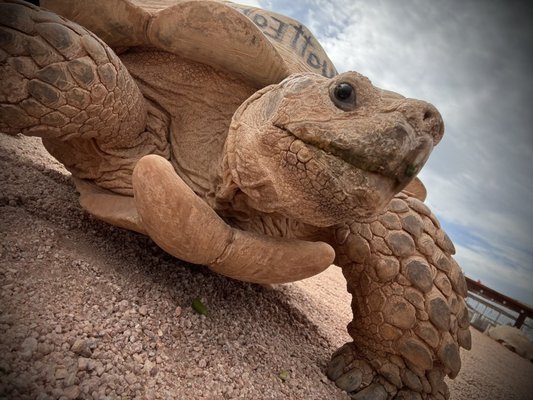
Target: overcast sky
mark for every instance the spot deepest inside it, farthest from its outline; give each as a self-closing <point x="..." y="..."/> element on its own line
<point x="473" y="59"/>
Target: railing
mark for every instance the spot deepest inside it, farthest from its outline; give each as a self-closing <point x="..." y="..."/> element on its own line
<point x="490" y="308"/>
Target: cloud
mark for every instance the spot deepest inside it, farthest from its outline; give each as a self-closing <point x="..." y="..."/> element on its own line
<point x="501" y="237"/>
<point x="256" y="3"/>
<point x="483" y="264"/>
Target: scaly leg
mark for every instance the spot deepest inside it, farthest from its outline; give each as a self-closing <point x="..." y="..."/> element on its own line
<point x="185" y="226"/>
<point x="60" y="82"/>
<point x="409" y="315"/>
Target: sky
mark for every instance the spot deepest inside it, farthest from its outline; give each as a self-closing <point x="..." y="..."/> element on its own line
<point x="473" y="59"/>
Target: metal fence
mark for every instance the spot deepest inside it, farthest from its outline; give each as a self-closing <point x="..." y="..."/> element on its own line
<point x="487" y="313"/>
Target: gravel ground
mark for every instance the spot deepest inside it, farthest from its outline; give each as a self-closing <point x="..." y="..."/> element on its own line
<point x="91" y="311"/>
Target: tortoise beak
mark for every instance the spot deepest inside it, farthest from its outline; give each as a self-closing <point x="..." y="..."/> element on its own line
<point x="369" y="157"/>
<point x="398" y="152"/>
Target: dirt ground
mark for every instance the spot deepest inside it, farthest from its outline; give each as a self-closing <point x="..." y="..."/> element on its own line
<point x="92" y="311"/>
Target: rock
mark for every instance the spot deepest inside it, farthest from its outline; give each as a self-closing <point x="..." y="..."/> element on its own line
<point x="123" y="305"/>
<point x="463" y="317"/>
<point x="28" y="346"/>
<point x="71" y="392"/>
<point x="83" y="363"/>
<point x="514" y="338"/>
<point x="426" y="244"/>
<point x="44" y="348"/>
<point x="143" y="310"/>
<point x="202" y="363"/>
<point x="100" y="369"/>
<point x="378" y="229"/>
<point x="376" y="300"/>
<point x="455" y="304"/>
<point x="82" y="348"/>
<point x="137" y="347"/>
<point x="61" y="373"/>
<point x="148" y="365"/>
<point x="130" y="378"/>
<point x="71" y="379"/>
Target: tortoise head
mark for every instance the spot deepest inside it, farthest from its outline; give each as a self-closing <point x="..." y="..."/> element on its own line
<point x="326" y="150"/>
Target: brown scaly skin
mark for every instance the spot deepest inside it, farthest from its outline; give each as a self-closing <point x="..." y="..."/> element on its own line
<point x="294" y="163"/>
<point x="66" y="86"/>
<point x="409" y="314"/>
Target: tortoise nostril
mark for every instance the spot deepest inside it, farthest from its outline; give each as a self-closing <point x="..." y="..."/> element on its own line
<point x="424" y="118"/>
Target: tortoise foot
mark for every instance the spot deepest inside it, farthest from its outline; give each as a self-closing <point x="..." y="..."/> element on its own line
<point x="355" y="375"/>
<point x="378" y="378"/>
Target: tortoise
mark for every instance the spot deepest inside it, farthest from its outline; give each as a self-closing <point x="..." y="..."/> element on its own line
<point x="225" y="133"/>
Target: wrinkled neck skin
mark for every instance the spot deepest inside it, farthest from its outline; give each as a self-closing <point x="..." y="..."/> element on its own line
<point x="236" y="206"/>
<point x="295" y="165"/>
<point x="254" y="208"/>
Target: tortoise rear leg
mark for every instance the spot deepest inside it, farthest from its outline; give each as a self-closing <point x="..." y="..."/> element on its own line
<point x="62" y="83"/>
<point x="408" y="305"/>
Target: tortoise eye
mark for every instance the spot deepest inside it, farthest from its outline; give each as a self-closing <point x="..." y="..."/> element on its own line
<point x="344" y="97"/>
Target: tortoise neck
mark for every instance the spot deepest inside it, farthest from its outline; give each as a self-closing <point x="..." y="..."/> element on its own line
<point x="199" y="101"/>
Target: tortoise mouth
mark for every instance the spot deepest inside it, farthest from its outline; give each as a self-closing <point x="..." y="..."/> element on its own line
<point x="400" y="173"/>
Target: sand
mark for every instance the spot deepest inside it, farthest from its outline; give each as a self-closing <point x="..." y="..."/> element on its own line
<point x="88" y="311"/>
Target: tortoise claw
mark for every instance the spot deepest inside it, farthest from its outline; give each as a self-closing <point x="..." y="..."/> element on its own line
<point x="185" y="226"/>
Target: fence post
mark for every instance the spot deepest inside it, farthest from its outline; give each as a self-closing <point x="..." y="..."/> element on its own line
<point x="520" y="320"/>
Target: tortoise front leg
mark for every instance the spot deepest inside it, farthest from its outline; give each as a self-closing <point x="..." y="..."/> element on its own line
<point x="409" y="315"/>
<point x="185" y="226"/>
<point x="62" y="83"/>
